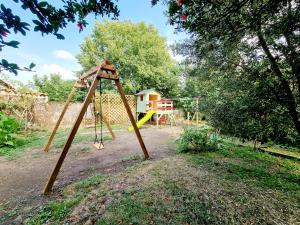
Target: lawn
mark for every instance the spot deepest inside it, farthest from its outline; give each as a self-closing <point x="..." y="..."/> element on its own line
<point x="234" y="185"/>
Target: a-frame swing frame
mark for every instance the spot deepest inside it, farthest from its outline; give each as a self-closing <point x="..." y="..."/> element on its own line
<point x="105" y="71"/>
<point x="78" y="83"/>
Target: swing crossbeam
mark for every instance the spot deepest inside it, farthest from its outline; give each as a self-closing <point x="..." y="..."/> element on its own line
<point x="108" y="71"/>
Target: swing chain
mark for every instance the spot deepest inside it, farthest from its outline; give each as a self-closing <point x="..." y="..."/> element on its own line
<point x="98" y="115"/>
<point x="95" y="119"/>
<point x="101" y="113"/>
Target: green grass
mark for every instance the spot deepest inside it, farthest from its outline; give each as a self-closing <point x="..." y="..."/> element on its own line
<point x="55" y="211"/>
<point x="277" y="149"/>
<point x="131" y="158"/>
<point x="90" y="182"/>
<point x="174" y="205"/>
<point x="7" y="216"/>
<point x="253" y="167"/>
<point x="294" y="152"/>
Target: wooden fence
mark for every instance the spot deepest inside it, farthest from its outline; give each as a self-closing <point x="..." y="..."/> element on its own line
<point x="46" y="114"/>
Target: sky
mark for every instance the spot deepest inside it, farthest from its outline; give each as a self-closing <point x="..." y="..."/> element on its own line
<point x="58" y="56"/>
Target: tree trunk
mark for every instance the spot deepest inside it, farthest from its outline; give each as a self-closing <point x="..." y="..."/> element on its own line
<point x="290" y="100"/>
<point x="293" y="61"/>
<point x="292" y="56"/>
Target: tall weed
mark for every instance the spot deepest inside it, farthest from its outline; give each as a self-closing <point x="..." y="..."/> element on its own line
<point x="198" y="139"/>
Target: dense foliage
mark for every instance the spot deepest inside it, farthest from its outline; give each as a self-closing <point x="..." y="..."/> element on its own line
<point x="240" y="105"/>
<point x="9" y="127"/>
<point x="198" y="139"/>
<point x="48" y="20"/>
<point x="57" y="88"/>
<point x="245" y="59"/>
<point x="138" y="51"/>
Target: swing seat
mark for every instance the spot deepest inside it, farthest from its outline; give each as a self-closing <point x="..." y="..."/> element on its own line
<point x="98" y="146"/>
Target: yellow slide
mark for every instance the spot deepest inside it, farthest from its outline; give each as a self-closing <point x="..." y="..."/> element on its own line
<point x="144" y="119"/>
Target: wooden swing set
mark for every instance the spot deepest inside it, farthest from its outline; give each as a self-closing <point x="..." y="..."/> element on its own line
<point x="105" y="71"/>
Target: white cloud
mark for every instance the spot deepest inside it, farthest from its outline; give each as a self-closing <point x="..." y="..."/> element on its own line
<point x="62" y="54"/>
<point x="55" y="68"/>
<point x="28" y="57"/>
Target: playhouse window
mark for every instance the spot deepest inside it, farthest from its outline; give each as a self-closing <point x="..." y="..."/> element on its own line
<point x="141" y="98"/>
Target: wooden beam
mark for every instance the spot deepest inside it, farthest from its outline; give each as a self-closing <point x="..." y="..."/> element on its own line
<point x="105" y="120"/>
<point x="103" y="75"/>
<point x="89" y="73"/>
<point x="46" y="149"/>
<point x="136" y="129"/>
<point x="106" y="66"/>
<point x="72" y="134"/>
<point x="108" y="76"/>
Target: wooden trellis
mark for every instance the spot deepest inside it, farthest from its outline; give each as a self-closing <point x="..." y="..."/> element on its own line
<point x="113" y="107"/>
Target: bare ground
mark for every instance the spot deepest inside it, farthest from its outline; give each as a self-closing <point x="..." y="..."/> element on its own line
<point x="23" y="179"/>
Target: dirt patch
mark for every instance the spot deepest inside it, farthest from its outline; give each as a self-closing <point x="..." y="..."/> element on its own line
<point x="23" y="179"/>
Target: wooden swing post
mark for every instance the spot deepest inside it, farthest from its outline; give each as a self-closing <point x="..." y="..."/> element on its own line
<point x="105" y="120"/>
<point x="136" y="129"/>
<point x="70" y="139"/>
<point x="108" y="71"/>
<point x="70" y="97"/>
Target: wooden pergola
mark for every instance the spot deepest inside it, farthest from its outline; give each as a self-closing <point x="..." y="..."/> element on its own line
<point x="105" y="71"/>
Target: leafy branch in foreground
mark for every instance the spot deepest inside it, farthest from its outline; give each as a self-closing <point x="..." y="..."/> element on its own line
<point x="48" y="20"/>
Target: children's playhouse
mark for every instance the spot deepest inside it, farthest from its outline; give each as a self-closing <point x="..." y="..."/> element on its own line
<point x="151" y="105"/>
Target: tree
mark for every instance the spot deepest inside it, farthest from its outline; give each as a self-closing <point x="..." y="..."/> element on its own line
<point x="57" y="88"/>
<point x="240" y="34"/>
<point x="138" y="51"/>
<point x="241" y="104"/>
<point x="48" y="20"/>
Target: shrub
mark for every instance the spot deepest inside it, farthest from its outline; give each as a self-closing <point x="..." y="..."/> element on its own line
<point x="9" y="127"/>
<point x="198" y="139"/>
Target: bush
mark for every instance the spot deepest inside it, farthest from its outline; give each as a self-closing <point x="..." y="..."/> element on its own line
<point x="198" y="139"/>
<point x="9" y="127"/>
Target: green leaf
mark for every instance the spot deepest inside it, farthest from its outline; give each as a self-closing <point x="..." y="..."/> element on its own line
<point x="36" y="28"/>
<point x="4" y="62"/>
<point x="60" y="36"/>
<point x="32" y="65"/>
<point x="3" y="8"/>
<point x="42" y="4"/>
<point x="37" y="22"/>
<point x="10" y="143"/>
<point x="13" y="44"/>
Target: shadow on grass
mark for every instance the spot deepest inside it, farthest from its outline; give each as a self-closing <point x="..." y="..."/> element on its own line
<point x="245" y="164"/>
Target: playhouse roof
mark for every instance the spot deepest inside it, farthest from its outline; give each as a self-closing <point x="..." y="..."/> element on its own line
<point x="143" y="92"/>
